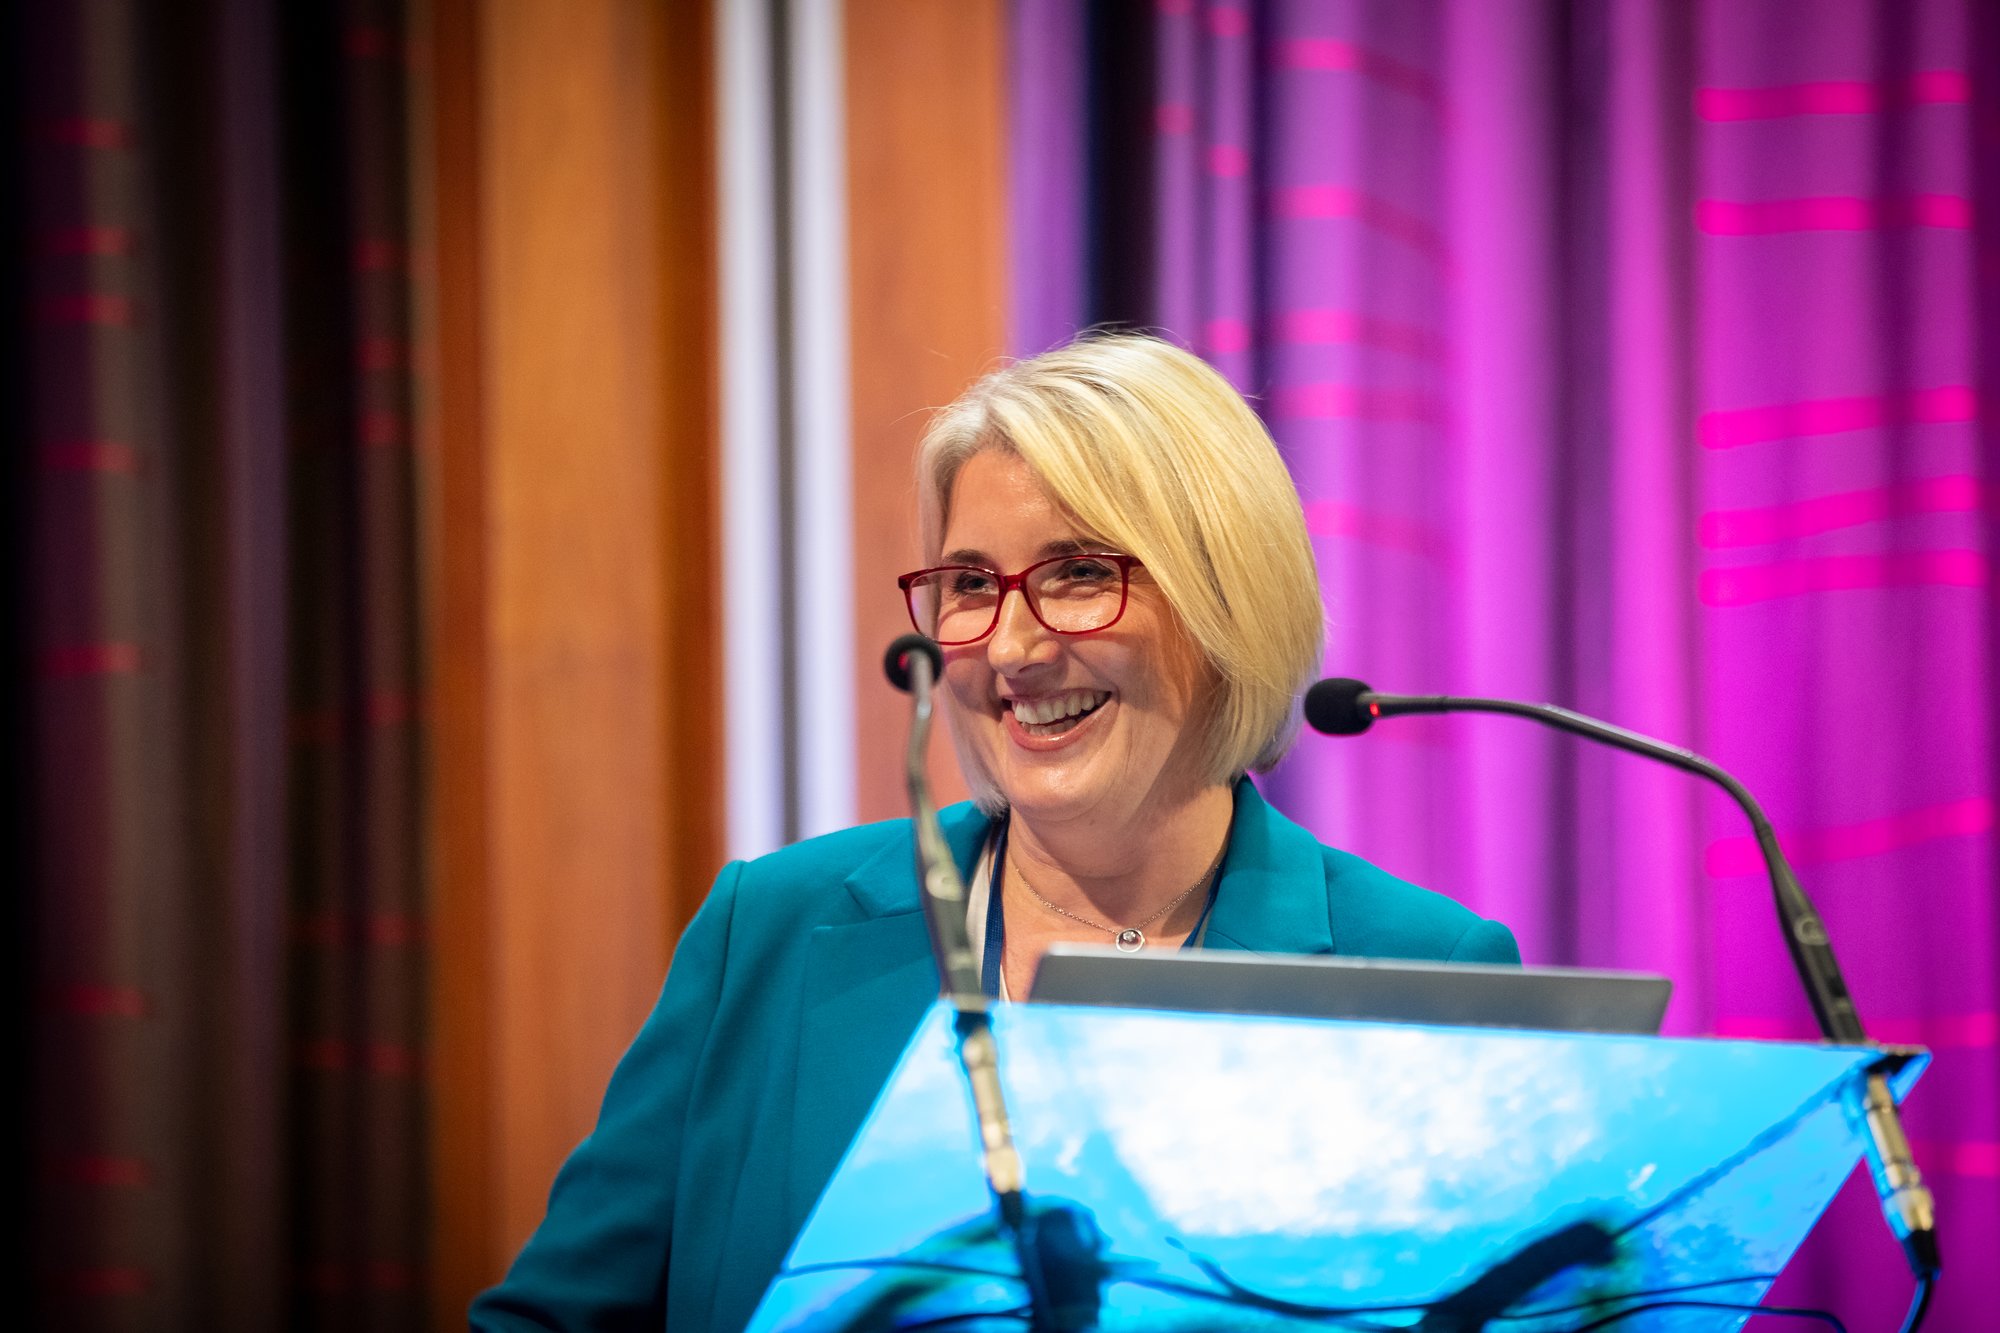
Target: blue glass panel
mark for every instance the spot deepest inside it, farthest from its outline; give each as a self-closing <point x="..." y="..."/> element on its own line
<point x="1235" y="1164"/>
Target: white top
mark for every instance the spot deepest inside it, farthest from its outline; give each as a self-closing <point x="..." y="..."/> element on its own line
<point x="978" y="893"/>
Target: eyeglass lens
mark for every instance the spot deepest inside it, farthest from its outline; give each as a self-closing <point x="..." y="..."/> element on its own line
<point x="1071" y="595"/>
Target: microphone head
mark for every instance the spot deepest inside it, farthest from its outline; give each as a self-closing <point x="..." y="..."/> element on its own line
<point x="1334" y="706"/>
<point x="896" y="662"/>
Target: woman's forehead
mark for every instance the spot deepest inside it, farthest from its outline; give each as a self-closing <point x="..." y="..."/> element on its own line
<point x="998" y="502"/>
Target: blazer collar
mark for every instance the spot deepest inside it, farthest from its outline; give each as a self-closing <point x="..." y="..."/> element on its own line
<point x="1272" y="898"/>
<point x="886" y="883"/>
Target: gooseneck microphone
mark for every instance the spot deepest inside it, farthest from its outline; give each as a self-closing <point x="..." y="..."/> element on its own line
<point x="912" y="664"/>
<point x="1059" y="1268"/>
<point x="1342" y="707"/>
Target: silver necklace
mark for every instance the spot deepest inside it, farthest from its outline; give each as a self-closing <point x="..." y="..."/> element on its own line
<point x="1132" y="938"/>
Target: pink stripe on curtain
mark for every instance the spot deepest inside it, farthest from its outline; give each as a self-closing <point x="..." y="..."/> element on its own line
<point x="1772" y="217"/>
<point x="1765" y="524"/>
<point x="1833" y="98"/>
<point x="1828" y="416"/>
<point x="1729" y="857"/>
<point x="1842" y="573"/>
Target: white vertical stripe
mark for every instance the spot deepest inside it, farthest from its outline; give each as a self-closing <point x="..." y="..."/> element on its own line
<point x="751" y="593"/>
<point x="822" y="464"/>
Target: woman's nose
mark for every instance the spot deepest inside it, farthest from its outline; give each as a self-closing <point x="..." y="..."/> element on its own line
<point x="1018" y="639"/>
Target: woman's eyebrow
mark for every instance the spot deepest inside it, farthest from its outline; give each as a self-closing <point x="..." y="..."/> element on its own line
<point x="966" y="555"/>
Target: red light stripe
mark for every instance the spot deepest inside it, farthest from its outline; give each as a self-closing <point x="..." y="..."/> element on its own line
<point x="87" y="241"/>
<point x="107" y="1280"/>
<point x="1393" y="532"/>
<point x="96" y="1001"/>
<point x="93" y="1169"/>
<point x="90" y="659"/>
<point x="1227" y="20"/>
<point x="375" y="929"/>
<point x="86" y="308"/>
<point x="1228" y="161"/>
<point x="1348" y="401"/>
<point x="382" y="709"/>
<point x="382" y="429"/>
<point x="1771" y="217"/>
<point x="89" y="132"/>
<point x="1749" y="584"/>
<point x="89" y="456"/>
<point x="339" y="1056"/>
<point x="1729" y="857"/>
<point x="1973" y="1031"/>
<point x="377" y="255"/>
<point x="1980" y="1161"/>
<point x="367" y="42"/>
<point x="1317" y="53"/>
<point x="1310" y="202"/>
<point x="1735" y="427"/>
<point x="380" y="354"/>
<point x="1762" y="525"/>
<point x="1929" y="87"/>
<point x="1315" y="326"/>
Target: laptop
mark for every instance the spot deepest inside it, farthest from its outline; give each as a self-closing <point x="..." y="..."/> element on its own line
<point x="1559" y="999"/>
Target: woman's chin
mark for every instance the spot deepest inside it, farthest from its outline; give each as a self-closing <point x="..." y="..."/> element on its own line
<point x="1056" y="791"/>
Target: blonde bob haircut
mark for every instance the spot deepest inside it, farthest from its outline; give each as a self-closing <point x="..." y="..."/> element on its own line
<point x="1152" y="452"/>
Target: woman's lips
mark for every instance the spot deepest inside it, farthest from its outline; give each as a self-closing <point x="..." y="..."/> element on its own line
<point x="1022" y="737"/>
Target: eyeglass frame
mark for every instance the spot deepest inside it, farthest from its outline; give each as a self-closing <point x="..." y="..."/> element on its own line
<point x="1010" y="582"/>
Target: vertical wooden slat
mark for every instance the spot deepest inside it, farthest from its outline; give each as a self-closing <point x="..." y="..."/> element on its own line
<point x="577" y="791"/>
<point x="927" y="256"/>
<point x="576" y="636"/>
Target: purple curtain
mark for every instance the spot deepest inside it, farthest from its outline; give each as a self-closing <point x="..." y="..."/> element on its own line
<point x="1636" y="356"/>
<point x="220" y="930"/>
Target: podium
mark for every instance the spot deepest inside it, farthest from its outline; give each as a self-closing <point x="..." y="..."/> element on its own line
<point x="1236" y="1172"/>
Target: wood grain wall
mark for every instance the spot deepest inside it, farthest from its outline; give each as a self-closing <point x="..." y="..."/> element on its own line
<point x="926" y="171"/>
<point x="578" y="755"/>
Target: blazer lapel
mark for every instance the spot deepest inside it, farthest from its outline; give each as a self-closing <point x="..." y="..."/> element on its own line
<point x="868" y="981"/>
<point x="1272" y="898"/>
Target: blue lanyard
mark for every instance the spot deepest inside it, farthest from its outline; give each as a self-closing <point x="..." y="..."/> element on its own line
<point x="996" y="925"/>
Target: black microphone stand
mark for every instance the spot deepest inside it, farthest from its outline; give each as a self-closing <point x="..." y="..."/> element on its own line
<point x="913" y="664"/>
<point x="1348" y="707"/>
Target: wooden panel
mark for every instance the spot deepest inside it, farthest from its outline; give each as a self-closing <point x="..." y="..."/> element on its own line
<point x="927" y="256"/>
<point x="575" y="728"/>
<point x="578" y="812"/>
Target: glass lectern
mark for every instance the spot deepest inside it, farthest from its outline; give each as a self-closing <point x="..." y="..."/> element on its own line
<point x="1211" y="1171"/>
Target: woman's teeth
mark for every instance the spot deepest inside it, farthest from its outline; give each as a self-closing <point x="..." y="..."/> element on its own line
<point x="1057" y="713"/>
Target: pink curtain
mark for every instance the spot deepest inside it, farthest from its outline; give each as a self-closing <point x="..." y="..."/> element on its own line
<point x="1637" y="356"/>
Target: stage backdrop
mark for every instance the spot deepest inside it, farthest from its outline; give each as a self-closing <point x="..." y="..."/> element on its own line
<point x="1627" y="356"/>
<point x="226" y="948"/>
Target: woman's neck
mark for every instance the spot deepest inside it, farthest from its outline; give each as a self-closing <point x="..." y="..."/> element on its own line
<point x="1121" y="873"/>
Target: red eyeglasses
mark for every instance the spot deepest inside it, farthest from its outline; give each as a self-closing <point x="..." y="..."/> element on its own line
<point x="1069" y="594"/>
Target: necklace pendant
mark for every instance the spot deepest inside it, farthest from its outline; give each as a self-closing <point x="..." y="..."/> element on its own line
<point x="1131" y="940"/>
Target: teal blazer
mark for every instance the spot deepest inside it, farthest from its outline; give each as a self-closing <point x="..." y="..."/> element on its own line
<point x="791" y="995"/>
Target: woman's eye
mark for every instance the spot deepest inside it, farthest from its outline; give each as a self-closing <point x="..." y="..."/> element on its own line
<point x="1087" y="571"/>
<point x="970" y="583"/>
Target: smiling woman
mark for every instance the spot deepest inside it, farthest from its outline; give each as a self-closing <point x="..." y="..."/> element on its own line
<point x="1133" y="464"/>
<point x="1125" y="595"/>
